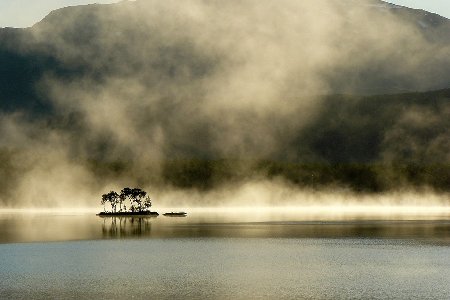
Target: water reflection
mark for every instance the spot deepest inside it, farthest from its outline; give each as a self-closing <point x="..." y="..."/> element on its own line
<point x="123" y="227"/>
<point x="33" y="227"/>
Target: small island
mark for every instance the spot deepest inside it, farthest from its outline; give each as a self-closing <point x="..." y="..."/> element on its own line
<point x="175" y="214"/>
<point x="138" y="201"/>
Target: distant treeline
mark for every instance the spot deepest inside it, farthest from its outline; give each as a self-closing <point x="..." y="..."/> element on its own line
<point x="359" y="177"/>
<point x="364" y="143"/>
<point x="209" y="174"/>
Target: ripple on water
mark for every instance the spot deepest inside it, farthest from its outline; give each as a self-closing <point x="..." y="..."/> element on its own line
<point x="226" y="268"/>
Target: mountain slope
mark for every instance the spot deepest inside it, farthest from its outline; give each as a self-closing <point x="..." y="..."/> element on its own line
<point x="395" y="50"/>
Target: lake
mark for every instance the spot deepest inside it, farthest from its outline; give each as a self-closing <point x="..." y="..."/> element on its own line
<point x="228" y="254"/>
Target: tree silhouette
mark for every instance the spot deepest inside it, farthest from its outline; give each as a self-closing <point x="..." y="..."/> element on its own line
<point x="111" y="197"/>
<point x="137" y="195"/>
<point x="103" y="202"/>
<point x="125" y="194"/>
<point x="138" y="199"/>
<point x="147" y="203"/>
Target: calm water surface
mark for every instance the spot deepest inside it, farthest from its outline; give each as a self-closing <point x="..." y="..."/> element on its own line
<point x="226" y="255"/>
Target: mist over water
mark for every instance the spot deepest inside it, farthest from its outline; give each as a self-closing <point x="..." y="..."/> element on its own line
<point x="141" y="87"/>
<point x="427" y="225"/>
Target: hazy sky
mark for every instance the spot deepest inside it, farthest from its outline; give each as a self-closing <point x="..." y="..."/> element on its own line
<point x="24" y="13"/>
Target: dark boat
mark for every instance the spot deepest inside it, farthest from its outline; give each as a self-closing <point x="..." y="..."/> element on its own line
<point x="129" y="214"/>
<point x="175" y="214"/>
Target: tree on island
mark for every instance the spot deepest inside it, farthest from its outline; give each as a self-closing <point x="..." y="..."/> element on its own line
<point x="125" y="194"/>
<point x="138" y="199"/>
<point x="111" y="197"/>
<point x="147" y="203"/>
<point x="137" y="195"/>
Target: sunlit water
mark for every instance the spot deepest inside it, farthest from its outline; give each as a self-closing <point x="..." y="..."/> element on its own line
<point x="273" y="253"/>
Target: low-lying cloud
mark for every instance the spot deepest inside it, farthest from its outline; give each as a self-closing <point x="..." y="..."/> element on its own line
<point x="144" y="82"/>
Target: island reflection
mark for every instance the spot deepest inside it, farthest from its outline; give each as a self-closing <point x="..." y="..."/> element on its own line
<point x="124" y="227"/>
